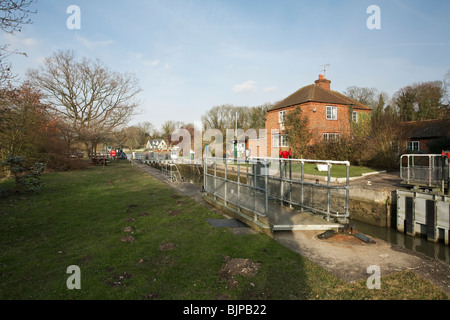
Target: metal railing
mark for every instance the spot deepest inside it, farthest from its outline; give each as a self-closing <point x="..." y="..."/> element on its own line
<point x="282" y="180"/>
<point x="170" y="172"/>
<point x="289" y="184"/>
<point x="242" y="195"/>
<point x="423" y="169"/>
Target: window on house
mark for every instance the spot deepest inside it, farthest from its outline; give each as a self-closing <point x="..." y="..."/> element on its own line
<point x="279" y="141"/>
<point x="413" y="146"/>
<point x="355" y="116"/>
<point x="282" y="116"/>
<point x="331" y="113"/>
<point x="331" y="136"/>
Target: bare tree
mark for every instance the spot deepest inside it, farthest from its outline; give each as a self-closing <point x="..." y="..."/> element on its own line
<point x="85" y="94"/>
<point x="13" y="15"/>
<point x="22" y="122"/>
<point x="168" y="127"/>
<point x="365" y="96"/>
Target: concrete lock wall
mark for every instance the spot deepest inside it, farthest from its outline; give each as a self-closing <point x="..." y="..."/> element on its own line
<point x="424" y="214"/>
<point x="374" y="207"/>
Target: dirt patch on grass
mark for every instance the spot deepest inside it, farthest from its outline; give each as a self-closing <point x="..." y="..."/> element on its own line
<point x="119" y="279"/>
<point x="150" y="296"/>
<point x="237" y="267"/>
<point x="128" y="239"/>
<point x="174" y="213"/>
<point x="167" y="246"/>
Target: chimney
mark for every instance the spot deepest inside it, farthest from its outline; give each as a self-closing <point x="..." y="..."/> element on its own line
<point x="323" y="82"/>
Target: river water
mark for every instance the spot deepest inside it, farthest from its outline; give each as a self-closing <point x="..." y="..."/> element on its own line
<point x="419" y="244"/>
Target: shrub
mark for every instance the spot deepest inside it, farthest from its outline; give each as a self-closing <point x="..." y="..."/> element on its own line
<point x="28" y="179"/>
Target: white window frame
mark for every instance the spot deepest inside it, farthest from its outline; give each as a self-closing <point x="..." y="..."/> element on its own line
<point x="413" y="145"/>
<point x="279" y="141"/>
<point x="355" y="116"/>
<point x="331" y="136"/>
<point x="331" y="113"/>
<point x="282" y="117"/>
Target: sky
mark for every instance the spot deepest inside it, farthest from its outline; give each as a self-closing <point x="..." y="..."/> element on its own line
<point x="190" y="56"/>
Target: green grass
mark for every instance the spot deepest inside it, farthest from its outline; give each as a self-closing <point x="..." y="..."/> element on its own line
<point x="78" y="219"/>
<point x="337" y="171"/>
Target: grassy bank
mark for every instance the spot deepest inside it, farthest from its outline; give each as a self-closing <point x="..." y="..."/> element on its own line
<point x="83" y="218"/>
<point x="337" y="171"/>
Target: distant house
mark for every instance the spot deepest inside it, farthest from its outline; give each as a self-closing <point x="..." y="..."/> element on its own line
<point x="426" y="136"/>
<point x="330" y="114"/>
<point x="156" y="145"/>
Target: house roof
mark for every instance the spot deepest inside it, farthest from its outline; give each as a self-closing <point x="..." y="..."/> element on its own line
<point x="315" y="93"/>
<point x="426" y="129"/>
<point x="156" y="141"/>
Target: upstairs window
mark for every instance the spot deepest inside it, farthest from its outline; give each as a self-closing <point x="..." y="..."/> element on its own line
<point x="282" y="116"/>
<point x="331" y="113"/>
<point x="355" y="117"/>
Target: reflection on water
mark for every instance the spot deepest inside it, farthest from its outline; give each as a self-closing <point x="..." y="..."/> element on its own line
<point x="419" y="244"/>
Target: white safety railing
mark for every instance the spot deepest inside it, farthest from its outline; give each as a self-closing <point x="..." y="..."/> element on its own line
<point x="289" y="184"/>
<point x="242" y="195"/>
<point x="281" y="180"/>
<point x="424" y="169"/>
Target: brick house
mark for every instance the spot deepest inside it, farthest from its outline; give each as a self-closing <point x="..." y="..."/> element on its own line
<point x="330" y="114"/>
<point x="156" y="145"/>
<point x="420" y="135"/>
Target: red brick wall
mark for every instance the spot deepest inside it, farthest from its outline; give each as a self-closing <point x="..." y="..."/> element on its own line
<point x="317" y="115"/>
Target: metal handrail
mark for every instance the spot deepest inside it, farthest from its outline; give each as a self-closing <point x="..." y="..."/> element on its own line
<point x="286" y="182"/>
<point x="421" y="174"/>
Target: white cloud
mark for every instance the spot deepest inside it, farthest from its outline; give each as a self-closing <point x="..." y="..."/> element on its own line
<point x="246" y="87"/>
<point x="93" y="44"/>
<point x="19" y="42"/>
<point x="270" y="89"/>
<point x="153" y="63"/>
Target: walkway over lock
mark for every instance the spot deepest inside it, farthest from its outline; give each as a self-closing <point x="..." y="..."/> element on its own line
<point x="274" y="193"/>
<point x="428" y="170"/>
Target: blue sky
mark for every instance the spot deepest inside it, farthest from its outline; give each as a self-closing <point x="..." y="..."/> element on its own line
<point x="192" y="55"/>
